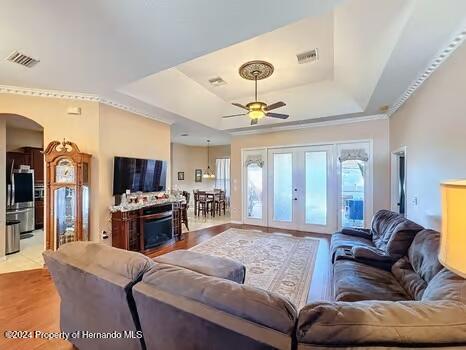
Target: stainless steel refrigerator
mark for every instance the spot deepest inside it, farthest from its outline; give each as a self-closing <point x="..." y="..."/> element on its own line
<point x="20" y="198"/>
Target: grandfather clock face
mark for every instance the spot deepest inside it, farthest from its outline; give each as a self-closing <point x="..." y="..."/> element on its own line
<point x="64" y="171"/>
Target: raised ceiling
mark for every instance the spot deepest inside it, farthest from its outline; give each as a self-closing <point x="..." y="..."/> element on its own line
<point x="157" y="56"/>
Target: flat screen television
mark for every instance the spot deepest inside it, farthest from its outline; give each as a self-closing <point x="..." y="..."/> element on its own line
<point x="143" y="175"/>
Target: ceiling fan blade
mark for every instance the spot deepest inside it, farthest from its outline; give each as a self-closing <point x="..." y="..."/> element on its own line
<point x="275" y="105"/>
<point x="240" y="106"/>
<point x="254" y="121"/>
<point x="233" y="115"/>
<point x="277" y="115"/>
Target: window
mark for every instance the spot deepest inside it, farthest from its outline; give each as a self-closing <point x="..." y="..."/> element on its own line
<point x="352" y="192"/>
<point x="254" y="191"/>
<point x="222" y="175"/>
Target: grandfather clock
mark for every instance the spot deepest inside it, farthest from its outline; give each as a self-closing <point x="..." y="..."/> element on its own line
<point x="68" y="173"/>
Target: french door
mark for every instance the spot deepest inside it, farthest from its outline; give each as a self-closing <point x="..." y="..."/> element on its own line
<point x="311" y="188"/>
<point x="301" y="192"/>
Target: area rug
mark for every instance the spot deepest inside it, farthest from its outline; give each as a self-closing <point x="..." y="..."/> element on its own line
<point x="277" y="262"/>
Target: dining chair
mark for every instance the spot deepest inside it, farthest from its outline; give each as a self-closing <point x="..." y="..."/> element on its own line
<point x="220" y="203"/>
<point x="205" y="202"/>
<point x="196" y="200"/>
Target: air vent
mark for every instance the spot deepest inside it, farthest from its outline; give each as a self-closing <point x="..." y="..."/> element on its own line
<point x="22" y="59"/>
<point x="309" y="56"/>
<point x="217" y="81"/>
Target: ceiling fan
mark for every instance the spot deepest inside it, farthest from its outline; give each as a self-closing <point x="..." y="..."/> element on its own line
<point x="257" y="70"/>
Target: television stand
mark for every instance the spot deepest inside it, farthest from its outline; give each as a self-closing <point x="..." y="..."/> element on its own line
<point x="145" y="229"/>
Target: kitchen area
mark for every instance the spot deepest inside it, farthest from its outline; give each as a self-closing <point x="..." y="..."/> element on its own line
<point x="24" y="239"/>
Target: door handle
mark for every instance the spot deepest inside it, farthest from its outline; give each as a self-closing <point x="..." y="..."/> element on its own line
<point x="295" y="199"/>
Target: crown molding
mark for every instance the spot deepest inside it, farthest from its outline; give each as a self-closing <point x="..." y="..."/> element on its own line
<point x="453" y="44"/>
<point x="349" y="120"/>
<point x="16" y="90"/>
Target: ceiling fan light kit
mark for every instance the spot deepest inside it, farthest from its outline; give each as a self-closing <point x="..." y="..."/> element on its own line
<point x="257" y="70"/>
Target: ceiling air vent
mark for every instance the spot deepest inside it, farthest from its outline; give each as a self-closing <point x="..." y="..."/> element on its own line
<point x="309" y="56"/>
<point x="217" y="81"/>
<point x="22" y="59"/>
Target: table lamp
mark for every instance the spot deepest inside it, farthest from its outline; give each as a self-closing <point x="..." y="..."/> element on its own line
<point x="453" y="237"/>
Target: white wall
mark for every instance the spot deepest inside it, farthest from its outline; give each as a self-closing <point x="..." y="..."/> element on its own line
<point x="432" y="125"/>
<point x="375" y="130"/>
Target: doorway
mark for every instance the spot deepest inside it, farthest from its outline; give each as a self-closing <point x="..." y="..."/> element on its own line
<point x="24" y="192"/>
<point x="314" y="188"/>
<point x="300" y="188"/>
<point x="398" y="181"/>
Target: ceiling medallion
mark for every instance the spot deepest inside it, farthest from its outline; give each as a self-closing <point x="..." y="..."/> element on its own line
<point x="256" y="70"/>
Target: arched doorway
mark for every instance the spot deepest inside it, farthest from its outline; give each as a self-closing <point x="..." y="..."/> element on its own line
<point x="22" y="189"/>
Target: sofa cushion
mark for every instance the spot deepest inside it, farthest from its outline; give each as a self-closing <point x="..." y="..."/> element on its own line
<point x="208" y="265"/>
<point x="411" y="282"/>
<point x="393" y="233"/>
<point x="340" y="240"/>
<point x="241" y="300"/>
<point x="131" y="265"/>
<point x="423" y="254"/>
<point x="355" y="281"/>
<point x="446" y="285"/>
<point x="383" y="324"/>
<point x="183" y="309"/>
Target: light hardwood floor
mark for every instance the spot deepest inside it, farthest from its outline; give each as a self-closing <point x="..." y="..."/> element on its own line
<point x="29" y="300"/>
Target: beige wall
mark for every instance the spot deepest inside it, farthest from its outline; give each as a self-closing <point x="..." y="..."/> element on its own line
<point x="432" y="125"/>
<point x="188" y="158"/>
<point x="128" y="135"/>
<point x="99" y="130"/>
<point x="50" y="113"/>
<point x="18" y="138"/>
<point x="377" y="130"/>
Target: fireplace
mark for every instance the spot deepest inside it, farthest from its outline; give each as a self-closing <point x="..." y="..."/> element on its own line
<point x="157" y="226"/>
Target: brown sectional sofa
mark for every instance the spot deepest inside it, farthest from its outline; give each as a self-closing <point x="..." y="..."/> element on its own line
<point x="185" y="300"/>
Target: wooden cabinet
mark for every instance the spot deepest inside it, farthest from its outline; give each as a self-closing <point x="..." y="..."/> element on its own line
<point x="128" y="227"/>
<point x="39" y="214"/>
<point x="16" y="159"/>
<point x="68" y="193"/>
<point x="30" y="156"/>
<point x="37" y="163"/>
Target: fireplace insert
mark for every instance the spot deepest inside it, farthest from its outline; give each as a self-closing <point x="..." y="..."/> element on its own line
<point x="157" y="226"/>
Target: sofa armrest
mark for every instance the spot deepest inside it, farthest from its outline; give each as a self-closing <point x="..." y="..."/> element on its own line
<point x="370" y="253"/>
<point x="206" y="264"/>
<point x="384" y="323"/>
<point x="357" y="232"/>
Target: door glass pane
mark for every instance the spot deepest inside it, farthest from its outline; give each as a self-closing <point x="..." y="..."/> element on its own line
<point x="316" y="188"/>
<point x="65" y="214"/>
<point x="282" y="187"/>
<point x="352" y="185"/>
<point x="254" y="191"/>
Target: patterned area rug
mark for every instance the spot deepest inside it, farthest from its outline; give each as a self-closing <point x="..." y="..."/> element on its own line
<point x="276" y="262"/>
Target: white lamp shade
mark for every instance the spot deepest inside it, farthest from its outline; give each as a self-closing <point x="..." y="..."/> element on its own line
<point x="453" y="237"/>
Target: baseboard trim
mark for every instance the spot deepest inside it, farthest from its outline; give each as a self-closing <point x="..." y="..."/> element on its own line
<point x="236" y="222"/>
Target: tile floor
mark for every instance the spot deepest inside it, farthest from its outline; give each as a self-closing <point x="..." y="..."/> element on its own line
<point x="29" y="257"/>
<point x="201" y="222"/>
